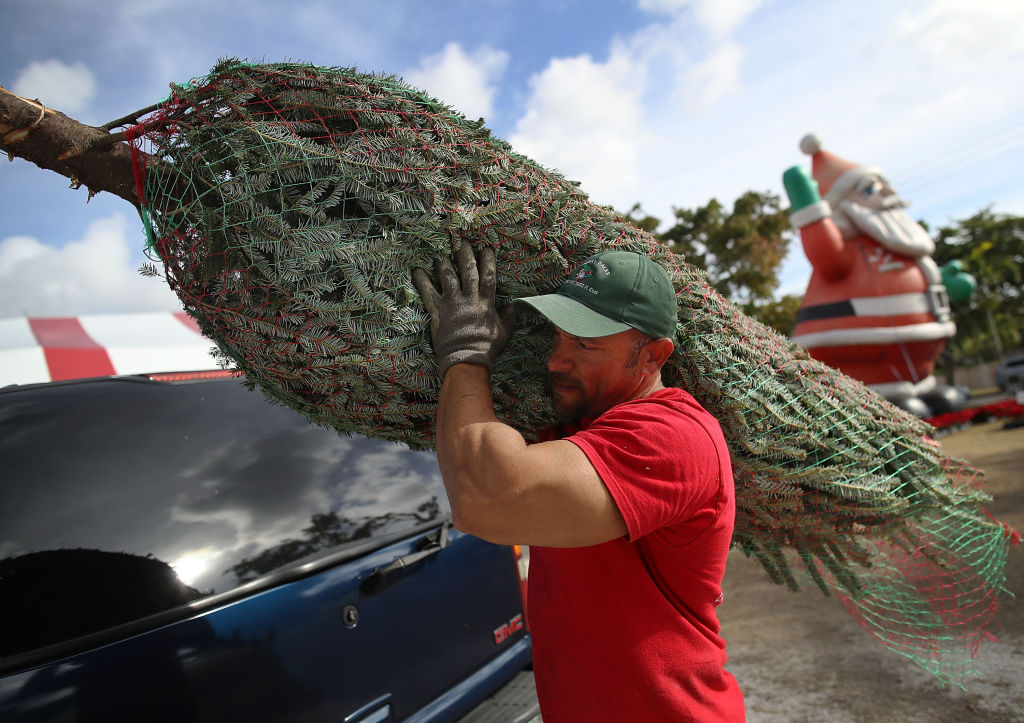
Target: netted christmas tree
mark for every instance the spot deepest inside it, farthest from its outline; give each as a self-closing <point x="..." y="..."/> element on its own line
<point x="289" y="204"/>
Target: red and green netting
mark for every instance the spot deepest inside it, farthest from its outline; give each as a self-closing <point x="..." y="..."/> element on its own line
<point x="289" y="204"/>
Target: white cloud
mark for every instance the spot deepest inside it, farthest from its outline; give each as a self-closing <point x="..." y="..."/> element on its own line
<point x="714" y="78"/>
<point x="93" y="274"/>
<point x="736" y="109"/>
<point x="697" y="44"/>
<point x="69" y="88"/>
<point x="952" y="65"/>
<point x="719" y="18"/>
<point x="635" y="127"/>
<point x="669" y="7"/>
<point x="951" y="32"/>
<point x="585" y="119"/>
<point x="467" y="82"/>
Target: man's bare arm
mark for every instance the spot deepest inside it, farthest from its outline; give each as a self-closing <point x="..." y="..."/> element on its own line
<point x="506" y="491"/>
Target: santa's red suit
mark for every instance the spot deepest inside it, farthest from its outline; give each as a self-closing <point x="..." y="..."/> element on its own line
<point x="875" y="306"/>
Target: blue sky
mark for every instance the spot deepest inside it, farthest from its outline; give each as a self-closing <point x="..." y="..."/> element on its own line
<point x="664" y="102"/>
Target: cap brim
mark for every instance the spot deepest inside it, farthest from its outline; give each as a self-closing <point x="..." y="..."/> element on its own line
<point x="572" y="317"/>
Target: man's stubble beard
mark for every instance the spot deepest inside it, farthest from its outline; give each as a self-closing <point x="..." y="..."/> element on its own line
<point x="583" y="407"/>
<point x="568" y="413"/>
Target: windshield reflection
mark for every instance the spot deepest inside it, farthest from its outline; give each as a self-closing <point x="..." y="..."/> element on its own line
<point x="209" y="477"/>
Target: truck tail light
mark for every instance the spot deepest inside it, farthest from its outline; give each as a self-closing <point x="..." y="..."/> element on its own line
<point x="522" y="555"/>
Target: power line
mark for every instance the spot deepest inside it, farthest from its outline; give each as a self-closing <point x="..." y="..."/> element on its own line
<point x="980" y="151"/>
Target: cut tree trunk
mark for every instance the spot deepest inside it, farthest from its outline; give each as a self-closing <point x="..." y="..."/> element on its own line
<point x="89" y="156"/>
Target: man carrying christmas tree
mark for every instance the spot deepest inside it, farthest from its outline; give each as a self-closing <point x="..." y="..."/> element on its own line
<point x="628" y="510"/>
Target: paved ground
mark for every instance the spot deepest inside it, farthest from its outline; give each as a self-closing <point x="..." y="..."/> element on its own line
<point x="801" y="657"/>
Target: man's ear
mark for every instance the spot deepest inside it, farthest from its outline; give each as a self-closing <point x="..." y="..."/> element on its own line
<point x="654" y="355"/>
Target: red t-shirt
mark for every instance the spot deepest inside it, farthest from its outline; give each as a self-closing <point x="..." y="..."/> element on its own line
<point x="627" y="630"/>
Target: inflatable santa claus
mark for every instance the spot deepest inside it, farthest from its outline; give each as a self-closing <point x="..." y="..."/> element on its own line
<point x="876" y="307"/>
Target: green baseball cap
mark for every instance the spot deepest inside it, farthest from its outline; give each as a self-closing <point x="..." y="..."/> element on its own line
<point x="611" y="292"/>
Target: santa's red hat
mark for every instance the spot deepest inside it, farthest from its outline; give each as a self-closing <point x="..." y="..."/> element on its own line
<point x="835" y="176"/>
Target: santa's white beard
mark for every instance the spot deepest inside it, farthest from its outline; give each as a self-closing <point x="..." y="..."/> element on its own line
<point x="891" y="227"/>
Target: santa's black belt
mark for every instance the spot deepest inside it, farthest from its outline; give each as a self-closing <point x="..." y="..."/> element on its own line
<point x="825" y="311"/>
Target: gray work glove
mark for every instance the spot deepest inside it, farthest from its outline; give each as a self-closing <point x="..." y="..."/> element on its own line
<point x="465" y="325"/>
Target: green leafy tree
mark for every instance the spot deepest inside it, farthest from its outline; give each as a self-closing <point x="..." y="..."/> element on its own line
<point x="779" y="314"/>
<point x="327" y="531"/>
<point x="642" y="220"/>
<point x="741" y="250"/>
<point x="991" y="248"/>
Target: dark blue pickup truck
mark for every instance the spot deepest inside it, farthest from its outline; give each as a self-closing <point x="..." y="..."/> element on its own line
<point x="175" y="548"/>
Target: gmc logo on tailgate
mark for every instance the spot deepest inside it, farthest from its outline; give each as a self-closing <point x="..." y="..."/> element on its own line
<point x="505" y="631"/>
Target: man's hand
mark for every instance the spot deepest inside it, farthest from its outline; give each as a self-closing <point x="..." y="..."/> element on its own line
<point x="464" y="324"/>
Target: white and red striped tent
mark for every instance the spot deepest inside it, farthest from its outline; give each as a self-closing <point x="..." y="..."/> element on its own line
<point x="42" y="349"/>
